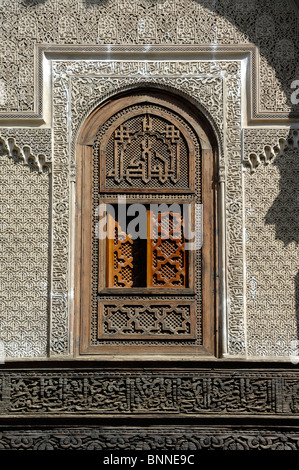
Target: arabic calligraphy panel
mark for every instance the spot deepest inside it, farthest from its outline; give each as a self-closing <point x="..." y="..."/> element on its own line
<point x="146" y="147"/>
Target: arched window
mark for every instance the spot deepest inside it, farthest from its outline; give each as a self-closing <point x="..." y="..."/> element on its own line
<point x="146" y="229"/>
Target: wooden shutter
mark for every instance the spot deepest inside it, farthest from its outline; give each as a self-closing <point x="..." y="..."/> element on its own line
<point x="166" y="256"/>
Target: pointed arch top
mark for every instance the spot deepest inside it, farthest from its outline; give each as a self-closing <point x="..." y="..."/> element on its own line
<point x="148" y="91"/>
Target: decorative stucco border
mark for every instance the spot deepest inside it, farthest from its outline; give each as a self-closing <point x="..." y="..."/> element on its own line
<point x="44" y="53"/>
<point x="79" y="86"/>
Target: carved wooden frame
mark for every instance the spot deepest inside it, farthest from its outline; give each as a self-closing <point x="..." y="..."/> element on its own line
<point x="83" y="281"/>
<point x="80" y="87"/>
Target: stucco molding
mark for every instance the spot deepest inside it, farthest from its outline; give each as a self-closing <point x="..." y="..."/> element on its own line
<point x="275" y="143"/>
<point x="24" y="153"/>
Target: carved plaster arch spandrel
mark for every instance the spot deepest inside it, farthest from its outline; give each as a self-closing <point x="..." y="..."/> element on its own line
<point x="277" y="143"/>
<point x="173" y="89"/>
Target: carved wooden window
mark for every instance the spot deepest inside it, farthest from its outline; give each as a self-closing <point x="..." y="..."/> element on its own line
<point x="156" y="258"/>
<point x="151" y="294"/>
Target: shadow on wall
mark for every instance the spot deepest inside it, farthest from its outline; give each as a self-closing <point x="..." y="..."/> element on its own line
<point x="272" y="31"/>
<point x="284" y="212"/>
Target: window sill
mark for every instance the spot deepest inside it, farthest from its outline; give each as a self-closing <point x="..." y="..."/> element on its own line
<point x="146" y="291"/>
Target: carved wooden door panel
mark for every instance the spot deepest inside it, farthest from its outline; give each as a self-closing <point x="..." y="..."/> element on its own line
<point x="146" y="287"/>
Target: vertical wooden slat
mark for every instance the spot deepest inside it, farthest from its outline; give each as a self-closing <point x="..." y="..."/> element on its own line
<point x="109" y="250"/>
<point x="170" y="269"/>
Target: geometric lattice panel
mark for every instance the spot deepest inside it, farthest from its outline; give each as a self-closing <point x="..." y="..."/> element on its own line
<point x="146" y="320"/>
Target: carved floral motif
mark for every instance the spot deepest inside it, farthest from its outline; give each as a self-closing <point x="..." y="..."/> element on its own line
<point x="170" y="438"/>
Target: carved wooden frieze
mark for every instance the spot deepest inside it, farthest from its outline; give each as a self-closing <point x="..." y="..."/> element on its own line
<point x="180" y="439"/>
<point x="189" y="393"/>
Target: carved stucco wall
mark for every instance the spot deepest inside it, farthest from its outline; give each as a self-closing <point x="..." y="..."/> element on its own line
<point x="237" y="60"/>
<point x="25" y="242"/>
<point x="271" y="221"/>
<point x="29" y="22"/>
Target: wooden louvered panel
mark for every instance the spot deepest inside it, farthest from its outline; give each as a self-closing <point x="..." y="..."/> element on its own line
<point x="119" y="257"/>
